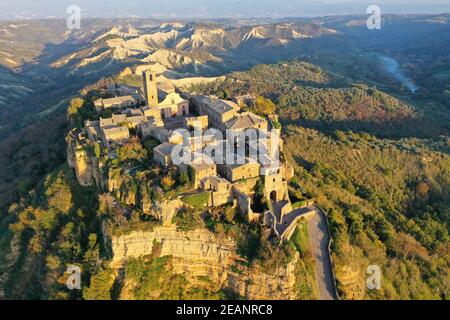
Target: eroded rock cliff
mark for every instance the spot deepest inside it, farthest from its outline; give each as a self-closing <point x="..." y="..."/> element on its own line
<point x="87" y="169"/>
<point x="199" y="253"/>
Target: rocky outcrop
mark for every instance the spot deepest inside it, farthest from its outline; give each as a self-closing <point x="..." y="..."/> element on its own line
<point x="136" y="193"/>
<point x="199" y="246"/>
<point x="200" y="253"/>
<point x="9" y="261"/>
<point x="255" y="284"/>
<point x="123" y="187"/>
<point x="87" y="169"/>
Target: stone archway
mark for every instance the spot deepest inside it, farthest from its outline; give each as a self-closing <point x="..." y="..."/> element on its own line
<point x="273" y="196"/>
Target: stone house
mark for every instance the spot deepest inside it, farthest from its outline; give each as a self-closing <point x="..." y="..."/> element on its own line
<point x="201" y="167"/>
<point x="220" y="189"/>
<point x="163" y="154"/>
<point x="218" y="111"/>
<point x="246" y="120"/>
<point x="200" y="122"/>
<point x="115" y="120"/>
<point x="116" y="102"/>
<point x="134" y="121"/>
<point x="154" y="128"/>
<point x="115" y="135"/>
<point x="151" y="112"/>
<point x="93" y="130"/>
<point x="241" y="170"/>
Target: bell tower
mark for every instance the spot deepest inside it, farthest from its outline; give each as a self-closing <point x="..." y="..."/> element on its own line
<point x="150" y="88"/>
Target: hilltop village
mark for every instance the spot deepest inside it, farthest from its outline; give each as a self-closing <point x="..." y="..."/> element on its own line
<point x="235" y="156"/>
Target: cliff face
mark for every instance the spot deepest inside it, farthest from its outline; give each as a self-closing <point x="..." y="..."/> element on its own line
<point x="84" y="168"/>
<point x="123" y="187"/>
<point x="255" y="284"/>
<point x="131" y="191"/>
<point x="10" y="260"/>
<point x="200" y="253"/>
<point x="199" y="246"/>
<point x="136" y="193"/>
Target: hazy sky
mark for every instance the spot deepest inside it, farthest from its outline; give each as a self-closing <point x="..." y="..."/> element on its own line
<point x="214" y="8"/>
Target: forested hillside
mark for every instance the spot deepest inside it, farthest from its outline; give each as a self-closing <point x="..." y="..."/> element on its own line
<point x="309" y="96"/>
<point x="387" y="200"/>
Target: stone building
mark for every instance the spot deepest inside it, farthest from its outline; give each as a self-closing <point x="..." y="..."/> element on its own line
<point x="115" y="135"/>
<point x="220" y="189"/>
<point x="134" y="121"/>
<point x="115" y="120"/>
<point x="163" y="154"/>
<point x="116" y="102"/>
<point x="93" y="130"/>
<point x="151" y="112"/>
<point x="218" y="111"/>
<point x="150" y="127"/>
<point x="246" y="120"/>
<point x="109" y="131"/>
<point x="162" y="104"/>
<point x="173" y="105"/>
<point x="201" y="167"/>
<point x="246" y="169"/>
<point x="200" y="122"/>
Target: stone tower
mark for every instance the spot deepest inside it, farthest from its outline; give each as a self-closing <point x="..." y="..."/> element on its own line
<point x="150" y="88"/>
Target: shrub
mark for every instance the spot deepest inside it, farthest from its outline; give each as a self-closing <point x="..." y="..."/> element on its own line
<point x="167" y="183"/>
<point x="100" y="286"/>
<point x="187" y="220"/>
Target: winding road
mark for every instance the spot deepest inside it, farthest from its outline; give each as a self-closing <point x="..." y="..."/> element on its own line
<point x="319" y="241"/>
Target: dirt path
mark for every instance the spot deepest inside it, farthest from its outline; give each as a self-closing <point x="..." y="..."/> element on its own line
<point x="319" y="239"/>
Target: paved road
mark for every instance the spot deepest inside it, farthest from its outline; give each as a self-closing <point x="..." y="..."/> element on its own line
<point x="319" y="240"/>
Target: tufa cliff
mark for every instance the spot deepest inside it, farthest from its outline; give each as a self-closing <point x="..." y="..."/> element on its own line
<point x="199" y="253"/>
<point x="82" y="159"/>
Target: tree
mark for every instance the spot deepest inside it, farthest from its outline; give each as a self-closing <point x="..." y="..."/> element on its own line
<point x="229" y="213"/>
<point x="100" y="286"/>
<point x="184" y="179"/>
<point x="167" y="183"/>
<point x="74" y="105"/>
<point x="131" y="151"/>
<point x="422" y="189"/>
<point x="264" y="106"/>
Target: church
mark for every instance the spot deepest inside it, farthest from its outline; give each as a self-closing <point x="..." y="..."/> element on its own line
<point x="168" y="104"/>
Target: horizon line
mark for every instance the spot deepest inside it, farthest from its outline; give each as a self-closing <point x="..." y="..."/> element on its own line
<point x="165" y="18"/>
